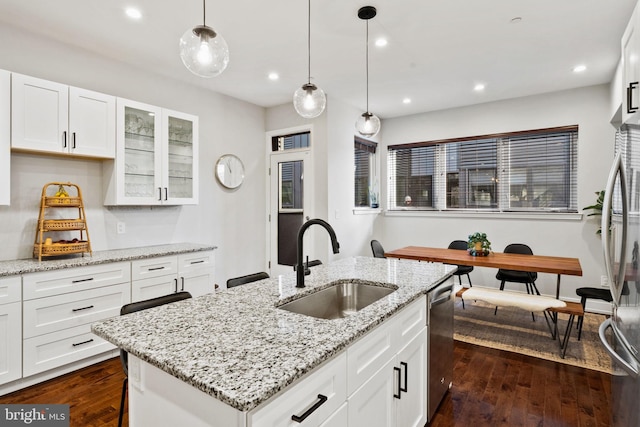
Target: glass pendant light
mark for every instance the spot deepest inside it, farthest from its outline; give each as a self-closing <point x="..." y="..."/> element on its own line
<point x="204" y="52"/>
<point x="309" y="100"/>
<point x="368" y="124"/>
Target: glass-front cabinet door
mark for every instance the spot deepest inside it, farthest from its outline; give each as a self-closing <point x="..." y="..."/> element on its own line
<point x="181" y="136"/>
<point x="156" y="157"/>
<point x="139" y="153"/>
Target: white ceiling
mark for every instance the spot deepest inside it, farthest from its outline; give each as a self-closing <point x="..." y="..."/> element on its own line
<point x="438" y="49"/>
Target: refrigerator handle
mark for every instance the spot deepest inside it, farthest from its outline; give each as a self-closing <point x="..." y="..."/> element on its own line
<point x="616" y="169"/>
<point x="628" y="367"/>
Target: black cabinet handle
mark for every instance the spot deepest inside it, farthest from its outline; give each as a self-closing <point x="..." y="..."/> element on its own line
<point x="197" y="262"/>
<point x="82" y="280"/>
<point x="64" y="138"/>
<point x="83" y="342"/>
<point x="166" y="193"/>
<point x="397" y="395"/>
<point x="175" y="281"/>
<point x="155" y="268"/>
<point x="182" y="286"/>
<point x="160" y="193"/>
<point x="630" y="107"/>
<point x="301" y="418"/>
<point x="73" y="140"/>
<point x="405" y="366"/>
<point x="82" y="308"/>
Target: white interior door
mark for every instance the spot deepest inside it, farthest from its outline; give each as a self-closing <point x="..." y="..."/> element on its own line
<point x="290" y="205"/>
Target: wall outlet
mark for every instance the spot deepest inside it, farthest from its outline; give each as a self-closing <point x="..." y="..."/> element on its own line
<point x="121" y="228"/>
<point x="604" y="283"/>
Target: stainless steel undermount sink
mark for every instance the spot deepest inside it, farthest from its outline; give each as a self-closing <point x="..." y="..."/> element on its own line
<point x="338" y="300"/>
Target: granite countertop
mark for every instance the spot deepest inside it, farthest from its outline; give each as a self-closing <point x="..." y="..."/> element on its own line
<point x="238" y="347"/>
<point x="21" y="266"/>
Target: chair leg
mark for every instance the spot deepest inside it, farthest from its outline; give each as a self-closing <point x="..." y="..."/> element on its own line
<point x="122" y="399"/>
<point x="583" y="301"/>
<point x="502" y="285"/>
<point x="469" y="278"/>
<point x="460" y="280"/>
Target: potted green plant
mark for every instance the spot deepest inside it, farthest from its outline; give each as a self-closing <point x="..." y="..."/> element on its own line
<point x="596" y="208"/>
<point x="478" y="244"/>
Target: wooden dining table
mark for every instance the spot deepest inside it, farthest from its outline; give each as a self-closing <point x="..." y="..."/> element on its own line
<point x="508" y="261"/>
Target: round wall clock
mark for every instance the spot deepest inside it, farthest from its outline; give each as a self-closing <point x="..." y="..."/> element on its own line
<point x="230" y="171"/>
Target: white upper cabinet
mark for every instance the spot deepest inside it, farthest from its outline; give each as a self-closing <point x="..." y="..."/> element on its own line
<point x="55" y="118"/>
<point x="5" y="136"/>
<point x="156" y="157"/>
<point x="631" y="69"/>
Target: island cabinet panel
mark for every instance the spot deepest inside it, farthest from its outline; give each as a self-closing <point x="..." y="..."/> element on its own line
<point x="10" y="329"/>
<point x="311" y="401"/>
<point x="161" y="400"/>
<point x="339" y="418"/>
<point x="395" y="394"/>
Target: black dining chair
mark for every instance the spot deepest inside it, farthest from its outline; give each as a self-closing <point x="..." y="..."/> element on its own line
<point x="378" y="250"/>
<point x="132" y="308"/>
<point x="243" y="280"/>
<point x="525" y="277"/>
<point x="462" y="269"/>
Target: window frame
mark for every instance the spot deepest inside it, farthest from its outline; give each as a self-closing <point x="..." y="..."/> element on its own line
<point x="370" y="147"/>
<point x="503" y="203"/>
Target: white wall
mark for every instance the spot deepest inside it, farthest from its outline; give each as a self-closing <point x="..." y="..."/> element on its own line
<point x="589" y="108"/>
<point x="232" y="220"/>
<point x="333" y="136"/>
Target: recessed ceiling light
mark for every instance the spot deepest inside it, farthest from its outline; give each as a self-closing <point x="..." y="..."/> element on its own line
<point x="381" y="42"/>
<point x="133" y="13"/>
<point x="579" y="68"/>
<point x="479" y="87"/>
<point x="274" y="76"/>
<point x="406" y="101"/>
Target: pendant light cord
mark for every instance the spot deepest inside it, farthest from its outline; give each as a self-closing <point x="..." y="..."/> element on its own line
<point x="367" y="65"/>
<point x="309" y="40"/>
<point x="204" y="13"/>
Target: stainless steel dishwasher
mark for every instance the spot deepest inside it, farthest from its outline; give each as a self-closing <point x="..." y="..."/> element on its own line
<point x="440" y="345"/>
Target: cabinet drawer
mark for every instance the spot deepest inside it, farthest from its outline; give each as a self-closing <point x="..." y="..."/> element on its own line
<point x="154" y="267"/>
<point x="410" y="321"/>
<point x="374" y="350"/>
<point x="328" y="380"/>
<point x="366" y="356"/>
<point x="51" y="314"/>
<point x="60" y="348"/>
<point x="153" y="287"/>
<point x="195" y="261"/>
<point x="56" y="282"/>
<point x="10" y="289"/>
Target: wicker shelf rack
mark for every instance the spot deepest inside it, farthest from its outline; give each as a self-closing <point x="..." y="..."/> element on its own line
<point x="62" y="199"/>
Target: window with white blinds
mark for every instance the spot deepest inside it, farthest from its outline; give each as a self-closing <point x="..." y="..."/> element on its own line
<point x="364" y="173"/>
<point x="522" y="171"/>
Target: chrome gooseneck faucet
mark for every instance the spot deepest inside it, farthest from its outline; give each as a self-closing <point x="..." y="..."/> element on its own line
<point x="300" y="267"/>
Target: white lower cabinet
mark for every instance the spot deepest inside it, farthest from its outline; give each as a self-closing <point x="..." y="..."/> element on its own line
<point x="59" y="307"/>
<point x="309" y="402"/>
<point x="155" y="277"/>
<point x="379" y="381"/>
<point x="10" y="329"/>
<point x="396" y="393"/>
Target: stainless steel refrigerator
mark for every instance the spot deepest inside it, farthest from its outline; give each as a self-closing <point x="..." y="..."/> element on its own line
<point x="620" y="228"/>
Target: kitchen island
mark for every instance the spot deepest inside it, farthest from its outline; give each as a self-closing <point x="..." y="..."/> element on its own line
<point x="241" y="351"/>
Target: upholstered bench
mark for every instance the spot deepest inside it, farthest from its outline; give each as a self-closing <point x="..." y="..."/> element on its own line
<point x="532" y="303"/>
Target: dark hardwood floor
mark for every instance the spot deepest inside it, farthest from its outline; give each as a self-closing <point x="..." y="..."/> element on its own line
<point x="491" y="388"/>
